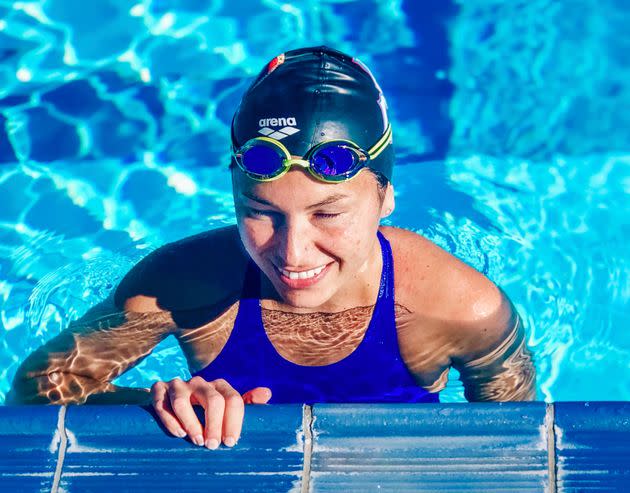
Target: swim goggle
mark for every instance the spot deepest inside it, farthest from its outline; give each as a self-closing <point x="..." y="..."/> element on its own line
<point x="266" y="159"/>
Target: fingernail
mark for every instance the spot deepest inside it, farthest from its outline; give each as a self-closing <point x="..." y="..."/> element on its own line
<point x="181" y="433"/>
<point x="212" y="443"/>
<point x="229" y="441"/>
<point x="198" y="440"/>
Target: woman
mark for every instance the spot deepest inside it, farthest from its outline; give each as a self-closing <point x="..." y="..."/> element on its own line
<point x="307" y="298"/>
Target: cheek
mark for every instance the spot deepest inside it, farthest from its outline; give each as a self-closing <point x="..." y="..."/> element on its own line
<point x="255" y="234"/>
<point x="356" y="237"/>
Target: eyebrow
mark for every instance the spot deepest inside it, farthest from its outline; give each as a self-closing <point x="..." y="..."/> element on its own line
<point x="329" y="200"/>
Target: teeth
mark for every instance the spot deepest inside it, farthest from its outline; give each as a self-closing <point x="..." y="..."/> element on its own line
<point x="305" y="274"/>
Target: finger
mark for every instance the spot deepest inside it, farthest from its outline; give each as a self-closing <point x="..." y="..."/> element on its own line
<point x="258" y="395"/>
<point x="214" y="407"/>
<point x="234" y="412"/>
<point x="163" y="409"/>
<point x="179" y="395"/>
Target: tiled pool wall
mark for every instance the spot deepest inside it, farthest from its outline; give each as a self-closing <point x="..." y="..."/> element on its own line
<point x="507" y="447"/>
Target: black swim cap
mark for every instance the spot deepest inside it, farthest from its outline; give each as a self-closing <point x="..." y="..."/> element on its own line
<point x="306" y="96"/>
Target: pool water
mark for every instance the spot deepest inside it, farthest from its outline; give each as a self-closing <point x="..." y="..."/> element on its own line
<point x="510" y="127"/>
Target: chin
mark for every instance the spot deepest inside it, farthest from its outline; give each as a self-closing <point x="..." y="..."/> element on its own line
<point x="309" y="299"/>
<point x="303" y="298"/>
<point x="311" y="304"/>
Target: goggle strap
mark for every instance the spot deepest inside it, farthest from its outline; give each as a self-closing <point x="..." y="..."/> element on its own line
<point x="382" y="143"/>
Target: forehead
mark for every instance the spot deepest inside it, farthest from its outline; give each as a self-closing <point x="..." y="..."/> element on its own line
<point x="298" y="188"/>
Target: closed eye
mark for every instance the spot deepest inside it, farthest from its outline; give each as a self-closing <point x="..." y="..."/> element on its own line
<point x="327" y="215"/>
<point x="259" y="212"/>
<point x="269" y="213"/>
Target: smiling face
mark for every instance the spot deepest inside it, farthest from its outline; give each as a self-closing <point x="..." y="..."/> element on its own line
<point x="316" y="242"/>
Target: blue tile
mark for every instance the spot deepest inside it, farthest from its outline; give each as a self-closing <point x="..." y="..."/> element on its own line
<point x="50" y="137"/>
<point x="69" y="220"/>
<point x="29" y="447"/>
<point x="77" y="98"/>
<point x="7" y="154"/>
<point x="593" y="446"/>
<point x="122" y="448"/>
<point x="426" y="447"/>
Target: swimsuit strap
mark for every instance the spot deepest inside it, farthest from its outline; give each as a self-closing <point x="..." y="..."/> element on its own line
<point x="386" y="289"/>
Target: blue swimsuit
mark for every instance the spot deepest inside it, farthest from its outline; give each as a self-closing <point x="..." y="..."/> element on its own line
<point x="373" y="372"/>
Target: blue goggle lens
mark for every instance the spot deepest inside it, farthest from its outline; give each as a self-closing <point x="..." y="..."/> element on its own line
<point x="334" y="160"/>
<point x="262" y="160"/>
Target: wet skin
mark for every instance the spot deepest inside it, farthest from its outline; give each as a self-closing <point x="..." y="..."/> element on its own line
<point x="447" y="314"/>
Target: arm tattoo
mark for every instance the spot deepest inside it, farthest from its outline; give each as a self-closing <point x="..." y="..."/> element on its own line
<point x="505" y="374"/>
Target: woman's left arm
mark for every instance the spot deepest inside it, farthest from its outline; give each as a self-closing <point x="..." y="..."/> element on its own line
<point x="496" y="364"/>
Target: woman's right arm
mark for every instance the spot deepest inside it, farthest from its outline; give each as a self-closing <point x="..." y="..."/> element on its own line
<point x="78" y="365"/>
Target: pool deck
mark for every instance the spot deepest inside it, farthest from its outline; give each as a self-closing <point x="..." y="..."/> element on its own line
<point x="484" y="447"/>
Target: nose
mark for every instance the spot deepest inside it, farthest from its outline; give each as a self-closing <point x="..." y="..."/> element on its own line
<point x="295" y="243"/>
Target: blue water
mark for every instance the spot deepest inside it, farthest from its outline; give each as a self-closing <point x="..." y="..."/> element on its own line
<point x="510" y="124"/>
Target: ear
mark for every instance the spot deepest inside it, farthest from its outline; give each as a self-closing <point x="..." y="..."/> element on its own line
<point x="388" y="202"/>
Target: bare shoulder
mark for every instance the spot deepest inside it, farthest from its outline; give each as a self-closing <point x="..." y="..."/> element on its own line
<point x="471" y="310"/>
<point x="431" y="280"/>
<point x="203" y="271"/>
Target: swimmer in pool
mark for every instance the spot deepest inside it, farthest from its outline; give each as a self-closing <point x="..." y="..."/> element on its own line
<point x="307" y="298"/>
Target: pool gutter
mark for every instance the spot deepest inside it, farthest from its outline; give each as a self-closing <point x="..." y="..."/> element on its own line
<point x="516" y="447"/>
